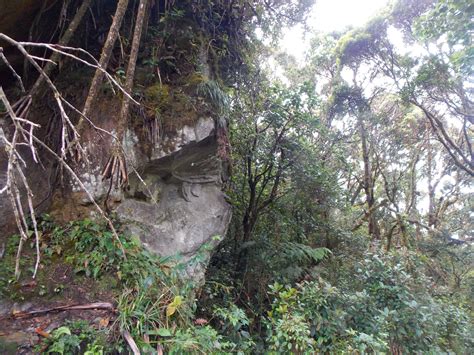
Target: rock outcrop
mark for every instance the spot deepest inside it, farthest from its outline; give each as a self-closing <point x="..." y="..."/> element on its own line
<point x="175" y="203"/>
<point x="179" y="206"/>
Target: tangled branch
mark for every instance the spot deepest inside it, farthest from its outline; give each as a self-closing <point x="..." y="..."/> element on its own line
<point x="24" y="135"/>
<point x="14" y="169"/>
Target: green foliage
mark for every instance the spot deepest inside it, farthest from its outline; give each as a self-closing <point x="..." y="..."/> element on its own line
<point x="7" y="267"/>
<point x="194" y="340"/>
<point x="155" y="302"/>
<point x="234" y="325"/>
<point x="158" y="95"/>
<point x="75" y="337"/>
<point x="384" y="307"/>
<point x="92" y="248"/>
<point x="314" y="306"/>
<point x="291" y="335"/>
<point x="302" y="253"/>
<point x="154" y="299"/>
<point x="145" y="318"/>
<point x="211" y="90"/>
<point x="450" y="18"/>
<point x="154" y="307"/>
<point x="284" y="261"/>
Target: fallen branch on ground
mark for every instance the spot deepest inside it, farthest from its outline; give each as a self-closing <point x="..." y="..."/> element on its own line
<point x="72" y="307"/>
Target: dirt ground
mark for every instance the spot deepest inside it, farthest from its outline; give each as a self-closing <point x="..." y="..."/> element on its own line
<point x="31" y="312"/>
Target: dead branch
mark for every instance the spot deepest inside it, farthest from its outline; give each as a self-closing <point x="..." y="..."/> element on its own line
<point x="14" y="169"/>
<point x="131" y="342"/>
<point x="68" y="127"/>
<point x="116" y="166"/>
<point x="79" y="307"/>
<point x="15" y="74"/>
<point x="63" y="50"/>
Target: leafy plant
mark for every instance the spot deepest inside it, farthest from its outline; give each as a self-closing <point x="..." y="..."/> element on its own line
<point x="211" y="90"/>
<point x="75" y="337"/>
<point x="192" y="339"/>
<point x="234" y="325"/>
<point x="92" y="249"/>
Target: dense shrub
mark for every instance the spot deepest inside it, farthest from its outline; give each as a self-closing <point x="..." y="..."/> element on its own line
<point x="386" y="308"/>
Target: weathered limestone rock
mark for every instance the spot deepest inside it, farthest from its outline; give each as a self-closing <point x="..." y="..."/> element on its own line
<point x="176" y="205"/>
<point x="181" y="207"/>
<point x="172" y="143"/>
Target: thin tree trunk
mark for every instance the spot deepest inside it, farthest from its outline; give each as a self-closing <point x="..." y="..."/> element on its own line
<point x="131" y="69"/>
<point x="248" y="224"/>
<point x="389" y="237"/>
<point x="431" y="189"/>
<point x="63" y="41"/>
<point x="116" y="166"/>
<point x="104" y="59"/>
<point x="368" y="183"/>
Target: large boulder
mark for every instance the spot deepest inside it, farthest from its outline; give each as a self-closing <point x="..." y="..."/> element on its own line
<point x="174" y="202"/>
<point x="179" y="207"/>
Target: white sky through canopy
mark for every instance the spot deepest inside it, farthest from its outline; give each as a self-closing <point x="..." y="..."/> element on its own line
<point x="331" y="15"/>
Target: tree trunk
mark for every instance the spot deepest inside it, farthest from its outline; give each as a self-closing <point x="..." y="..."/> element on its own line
<point x="248" y="224"/>
<point x="104" y="59"/>
<point x="63" y="41"/>
<point x="137" y="34"/>
<point x="374" y="230"/>
<point x="431" y="188"/>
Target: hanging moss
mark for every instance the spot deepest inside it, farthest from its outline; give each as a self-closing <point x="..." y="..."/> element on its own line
<point x="196" y="78"/>
<point x="158" y="95"/>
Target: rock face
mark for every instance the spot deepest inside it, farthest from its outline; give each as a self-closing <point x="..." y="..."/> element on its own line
<point x="174" y="202"/>
<point x="179" y="207"/>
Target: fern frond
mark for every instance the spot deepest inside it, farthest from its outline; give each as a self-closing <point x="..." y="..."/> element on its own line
<point x="302" y="253"/>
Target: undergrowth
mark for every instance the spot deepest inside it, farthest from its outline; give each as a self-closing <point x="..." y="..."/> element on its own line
<point x="154" y="303"/>
<point x="383" y="305"/>
<point x="74" y="337"/>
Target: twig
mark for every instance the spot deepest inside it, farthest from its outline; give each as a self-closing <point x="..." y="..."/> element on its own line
<point x="15" y="74"/>
<point x="13" y="192"/>
<point x="66" y="121"/>
<point x="61" y="50"/>
<point x="131" y="342"/>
